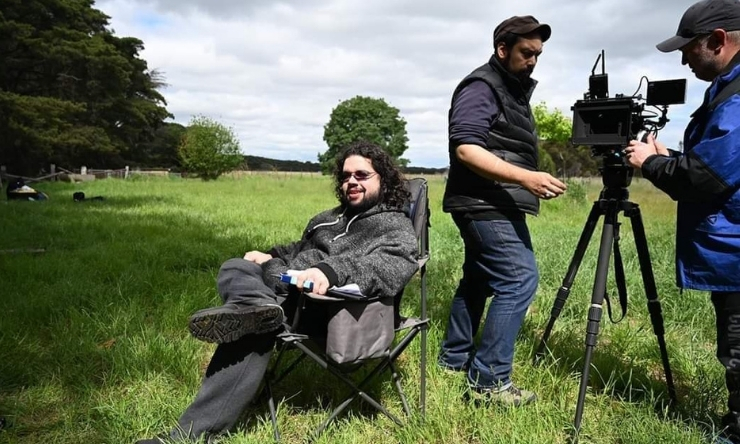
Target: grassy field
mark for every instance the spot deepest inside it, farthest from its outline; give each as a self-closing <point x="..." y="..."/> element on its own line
<point x="94" y="346"/>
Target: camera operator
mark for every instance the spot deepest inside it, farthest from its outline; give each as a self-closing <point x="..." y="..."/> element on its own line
<point x="705" y="178"/>
<point x="493" y="182"/>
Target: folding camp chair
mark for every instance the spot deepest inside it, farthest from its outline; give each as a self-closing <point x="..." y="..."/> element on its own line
<point x="343" y="354"/>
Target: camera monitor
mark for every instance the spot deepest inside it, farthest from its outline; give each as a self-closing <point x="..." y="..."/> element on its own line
<point x="666" y="92"/>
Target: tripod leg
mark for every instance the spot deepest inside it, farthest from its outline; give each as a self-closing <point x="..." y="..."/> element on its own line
<point x="595" y="311"/>
<point x="564" y="290"/>
<point x="653" y="304"/>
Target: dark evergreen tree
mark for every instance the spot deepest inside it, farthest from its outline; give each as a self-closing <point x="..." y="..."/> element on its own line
<point x="71" y="92"/>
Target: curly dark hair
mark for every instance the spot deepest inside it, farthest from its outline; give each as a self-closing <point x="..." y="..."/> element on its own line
<point x="392" y="189"/>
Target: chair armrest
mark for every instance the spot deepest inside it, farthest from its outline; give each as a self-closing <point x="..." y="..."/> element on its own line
<point x="324" y="297"/>
<point x="332" y="296"/>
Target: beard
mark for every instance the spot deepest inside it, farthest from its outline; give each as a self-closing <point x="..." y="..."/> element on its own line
<point x="522" y="75"/>
<point x="368" y="201"/>
<point x="706" y="67"/>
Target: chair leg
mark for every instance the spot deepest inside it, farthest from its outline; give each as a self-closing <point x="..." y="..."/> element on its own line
<point x="423" y="371"/>
<point x="337" y="411"/>
<point x="343" y="406"/>
<point x="267" y="389"/>
<point x="289" y="369"/>
<point x="357" y="389"/>
<point x="397" y="382"/>
<point x="273" y="410"/>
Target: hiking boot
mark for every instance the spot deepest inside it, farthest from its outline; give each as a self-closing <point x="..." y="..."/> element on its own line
<point x="509" y="396"/>
<point x="730" y="429"/>
<point x="230" y="322"/>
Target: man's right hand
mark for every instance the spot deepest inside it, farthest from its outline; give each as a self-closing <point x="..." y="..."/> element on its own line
<point x="257" y="257"/>
<point x="543" y="185"/>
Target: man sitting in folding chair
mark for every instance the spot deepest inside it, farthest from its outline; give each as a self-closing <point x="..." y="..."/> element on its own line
<point x="367" y="240"/>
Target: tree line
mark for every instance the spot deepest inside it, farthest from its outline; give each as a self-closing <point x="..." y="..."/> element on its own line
<point x="73" y="93"/>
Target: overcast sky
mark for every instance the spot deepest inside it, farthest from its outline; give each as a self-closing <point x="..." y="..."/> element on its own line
<point x="274" y="70"/>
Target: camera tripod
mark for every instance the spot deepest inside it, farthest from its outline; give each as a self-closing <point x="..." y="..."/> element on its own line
<point x="612" y="200"/>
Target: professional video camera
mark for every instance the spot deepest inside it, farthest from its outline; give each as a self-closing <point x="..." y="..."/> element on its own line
<point x="607" y="124"/>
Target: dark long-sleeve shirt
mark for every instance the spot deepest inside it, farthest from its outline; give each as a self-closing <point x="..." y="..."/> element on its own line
<point x="473" y="112"/>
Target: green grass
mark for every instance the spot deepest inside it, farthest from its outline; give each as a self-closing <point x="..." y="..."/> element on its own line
<point x="94" y="346"/>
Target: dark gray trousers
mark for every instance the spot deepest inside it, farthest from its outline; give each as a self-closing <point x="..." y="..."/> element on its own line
<point x="727" y="309"/>
<point x="236" y="368"/>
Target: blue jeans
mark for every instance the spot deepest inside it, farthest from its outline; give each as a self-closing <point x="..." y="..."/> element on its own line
<point x="499" y="262"/>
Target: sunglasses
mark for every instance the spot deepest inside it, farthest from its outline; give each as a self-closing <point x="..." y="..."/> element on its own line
<point x="359" y="176"/>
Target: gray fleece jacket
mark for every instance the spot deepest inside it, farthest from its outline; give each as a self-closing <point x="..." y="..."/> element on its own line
<point x="375" y="250"/>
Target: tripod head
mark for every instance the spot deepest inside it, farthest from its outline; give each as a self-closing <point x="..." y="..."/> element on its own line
<point x="616" y="175"/>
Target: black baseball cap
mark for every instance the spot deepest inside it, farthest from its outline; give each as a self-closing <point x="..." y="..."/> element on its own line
<point x="702" y="18"/>
<point x="521" y="25"/>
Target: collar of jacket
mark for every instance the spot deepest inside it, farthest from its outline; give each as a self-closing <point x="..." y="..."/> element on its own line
<point x="380" y="208"/>
<point x="512" y="81"/>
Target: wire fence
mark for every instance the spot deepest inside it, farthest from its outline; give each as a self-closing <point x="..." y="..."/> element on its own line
<point x="81" y="174"/>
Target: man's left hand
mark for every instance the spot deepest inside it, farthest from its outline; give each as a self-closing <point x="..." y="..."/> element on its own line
<point x="637" y="151"/>
<point x="319" y="279"/>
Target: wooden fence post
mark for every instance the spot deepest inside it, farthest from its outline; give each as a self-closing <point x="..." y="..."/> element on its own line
<point x="83" y="170"/>
<point x="125" y="174"/>
<point x="53" y="171"/>
<point x="2" y="174"/>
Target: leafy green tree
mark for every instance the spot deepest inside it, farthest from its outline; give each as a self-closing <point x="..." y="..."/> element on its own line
<point x="209" y="148"/>
<point x="364" y="118"/>
<point x="552" y="125"/>
<point x="71" y="92"/>
<point x="557" y="154"/>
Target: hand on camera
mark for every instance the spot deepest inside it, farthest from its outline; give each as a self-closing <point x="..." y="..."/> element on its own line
<point x="543" y="185"/>
<point x="637" y="152"/>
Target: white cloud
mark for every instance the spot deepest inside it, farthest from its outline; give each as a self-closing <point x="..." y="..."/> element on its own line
<point x="275" y="70"/>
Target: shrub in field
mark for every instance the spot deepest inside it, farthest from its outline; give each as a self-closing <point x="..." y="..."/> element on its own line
<point x="209" y="148"/>
<point x="576" y="190"/>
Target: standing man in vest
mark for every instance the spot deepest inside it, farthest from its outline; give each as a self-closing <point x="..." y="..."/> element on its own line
<point x="705" y="178"/>
<point x="493" y="183"/>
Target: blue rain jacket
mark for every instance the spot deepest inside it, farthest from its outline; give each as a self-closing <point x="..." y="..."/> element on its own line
<point x="705" y="180"/>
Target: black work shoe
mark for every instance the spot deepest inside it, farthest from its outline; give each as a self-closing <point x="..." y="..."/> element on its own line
<point x="230" y="322"/>
<point x="510" y="396"/>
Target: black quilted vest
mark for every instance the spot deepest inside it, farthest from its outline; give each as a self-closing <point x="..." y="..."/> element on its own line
<point x="512" y="137"/>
